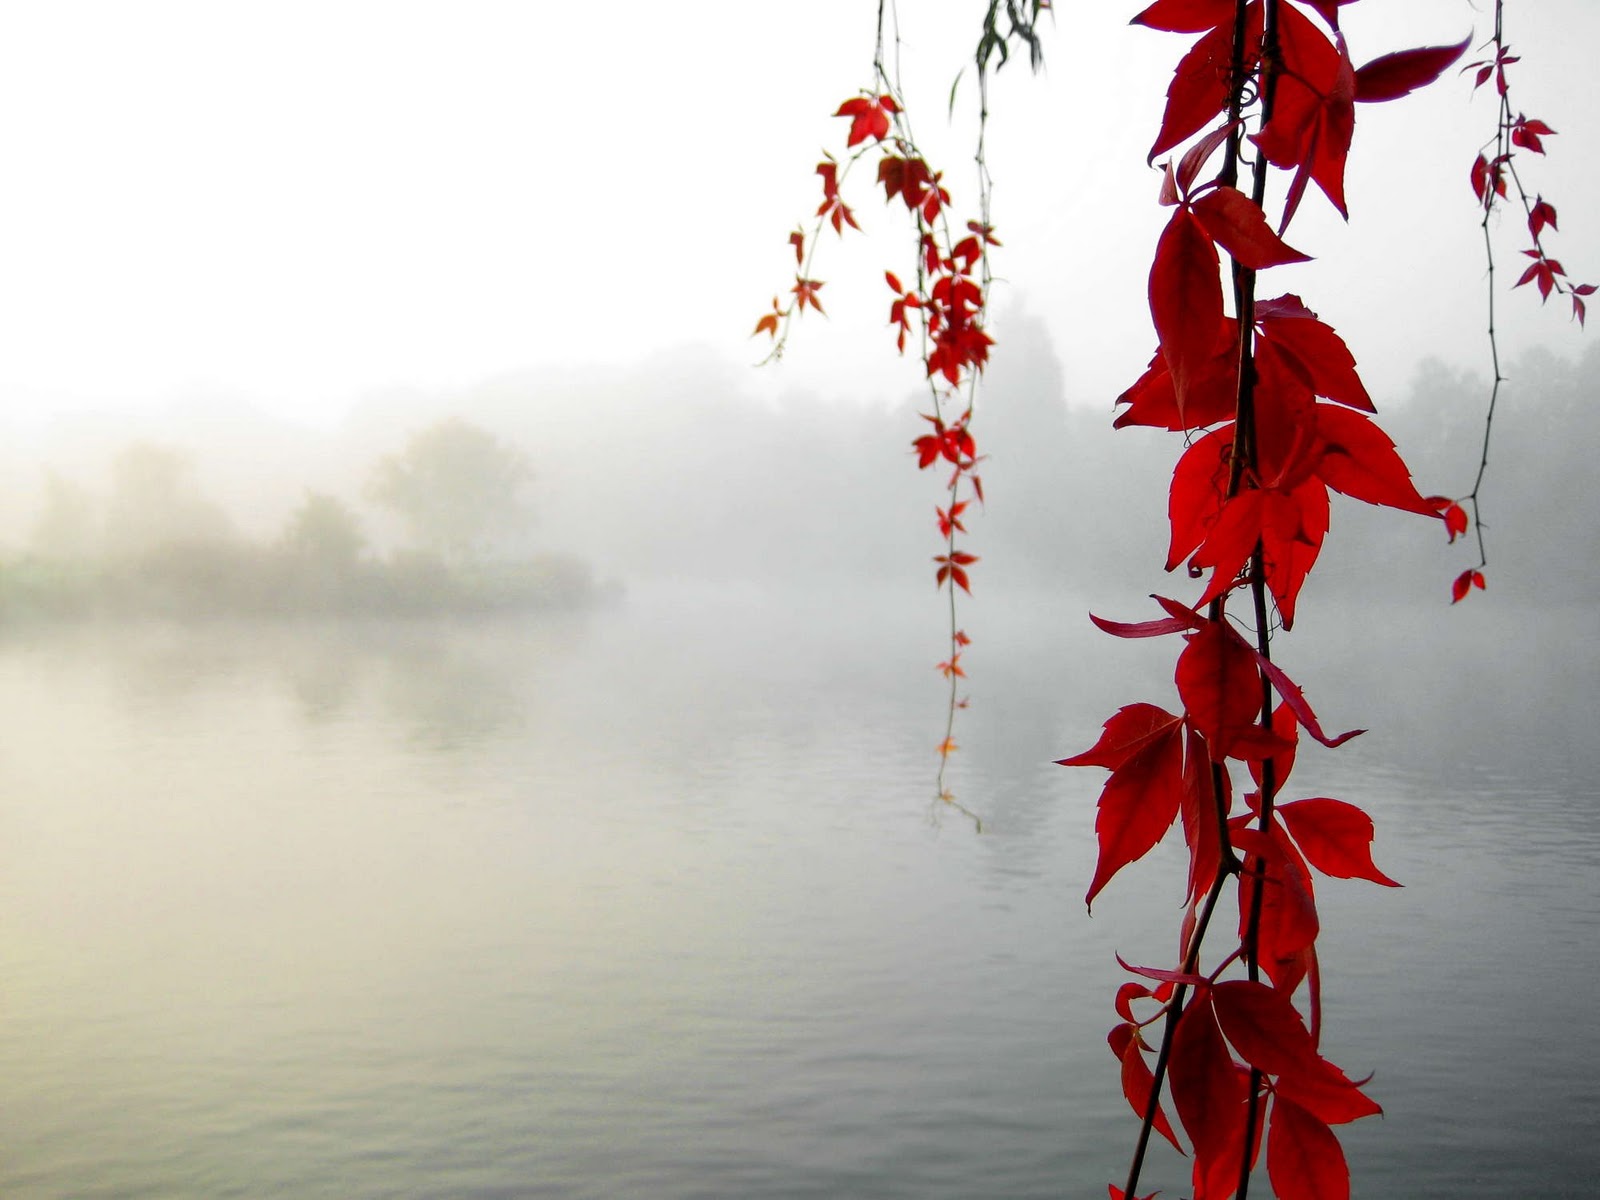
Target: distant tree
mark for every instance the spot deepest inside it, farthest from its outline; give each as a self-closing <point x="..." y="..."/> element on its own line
<point x="323" y="534"/>
<point x="155" y="503"/>
<point x="458" y="489"/>
<point x="68" y="526"/>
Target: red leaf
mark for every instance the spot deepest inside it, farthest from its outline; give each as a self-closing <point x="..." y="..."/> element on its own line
<point x="1185" y="16"/>
<point x="1313" y="116"/>
<point x="1143" y="747"/>
<point x="1329" y="1096"/>
<point x="1199" y="87"/>
<point x="1454" y="516"/>
<point x="1289" y="924"/>
<point x="1140" y="629"/>
<point x="1296" y="700"/>
<point x="1464" y="583"/>
<point x="805" y="291"/>
<point x="1199" y="485"/>
<point x="870" y="117"/>
<point x="1211" y="396"/>
<point x="1288" y="731"/>
<point x="1138" y="1081"/>
<point x="1196" y="156"/>
<point x="1335" y="837"/>
<point x="1198" y="809"/>
<point x="1359" y="460"/>
<point x="1209" y="1094"/>
<point x="1237" y="224"/>
<point x="1220" y="687"/>
<point x="1185" y="298"/>
<point x="1318" y="356"/>
<point x="1163" y="974"/>
<point x="1304" y="1161"/>
<point x="1542" y="214"/>
<point x="1404" y="71"/>
<point x="1264" y="1028"/>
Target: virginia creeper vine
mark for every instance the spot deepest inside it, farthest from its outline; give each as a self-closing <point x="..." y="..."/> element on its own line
<point x="1274" y="417"/>
<point x="941" y="307"/>
<point x="1495" y="164"/>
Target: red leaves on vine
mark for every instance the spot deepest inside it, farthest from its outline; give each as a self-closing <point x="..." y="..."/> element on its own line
<point x="953" y="567"/>
<point x="832" y="209"/>
<point x="1143" y="747"/>
<point x="1542" y="271"/>
<point x="1455" y="517"/>
<point x="912" y="181"/>
<point x="1488" y="178"/>
<point x="1209" y="1091"/>
<point x="805" y="292"/>
<point x="1529" y="134"/>
<point x="870" y="117"/>
<point x="1464" y="583"/>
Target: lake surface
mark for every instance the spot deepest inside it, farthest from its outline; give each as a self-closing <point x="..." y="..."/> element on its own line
<point x="656" y="903"/>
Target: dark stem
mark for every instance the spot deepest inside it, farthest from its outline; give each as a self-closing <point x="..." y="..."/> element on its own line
<point x="1245" y="457"/>
<point x="1191" y="963"/>
<point x="1501" y="148"/>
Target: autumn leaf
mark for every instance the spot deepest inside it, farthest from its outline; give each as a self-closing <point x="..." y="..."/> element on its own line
<point x="769" y="323"/>
<point x="870" y="117"/>
<point x="1137" y="1080"/>
<point x="1358" y="459"/>
<point x="1315" y="353"/>
<point x="1199" y="87"/>
<point x="1237" y="224"/>
<point x="1335" y="837"/>
<point x="1404" y="71"/>
<point x="1143" y="747"/>
<point x="1185" y="16"/>
<point x="1542" y="214"/>
<point x="1304" y="1159"/>
<point x="805" y="292"/>
<point x="1528" y="134"/>
<point x="1464" y="583"/>
<point x="1220" y="688"/>
<point x="1209" y="1094"/>
<point x="1185" y="298"/>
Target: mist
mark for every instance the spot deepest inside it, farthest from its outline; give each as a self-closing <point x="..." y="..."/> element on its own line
<point x="669" y="469"/>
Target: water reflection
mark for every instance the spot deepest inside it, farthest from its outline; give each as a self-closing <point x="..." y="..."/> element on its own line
<point x="649" y="905"/>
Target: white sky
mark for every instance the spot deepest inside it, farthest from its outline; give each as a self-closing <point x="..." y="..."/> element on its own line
<point x="300" y="202"/>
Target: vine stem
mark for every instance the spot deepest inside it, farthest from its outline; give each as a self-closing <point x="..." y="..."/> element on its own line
<point x="1501" y="140"/>
<point x="1241" y="474"/>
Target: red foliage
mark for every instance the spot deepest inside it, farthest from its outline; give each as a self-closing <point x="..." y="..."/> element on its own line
<point x="1276" y="419"/>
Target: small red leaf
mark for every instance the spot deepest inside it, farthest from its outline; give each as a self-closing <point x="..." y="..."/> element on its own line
<point x="1399" y="74"/>
<point x="1209" y="1094"/>
<point x="1304" y="1160"/>
<point x="870" y="117"/>
<point x="1464" y="583"/>
<point x="1335" y="837"/>
<point x="1220" y="687"/>
<point x="1143" y="746"/>
<point x="1185" y="298"/>
<point x="1138" y="1082"/>
<point x="1237" y="224"/>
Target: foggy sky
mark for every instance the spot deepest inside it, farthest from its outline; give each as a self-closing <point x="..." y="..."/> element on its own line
<point x="303" y="206"/>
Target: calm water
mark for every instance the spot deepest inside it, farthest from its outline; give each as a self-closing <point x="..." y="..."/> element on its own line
<point x="654" y="904"/>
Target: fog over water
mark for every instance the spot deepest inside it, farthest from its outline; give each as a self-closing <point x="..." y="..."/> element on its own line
<point x="595" y="853"/>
